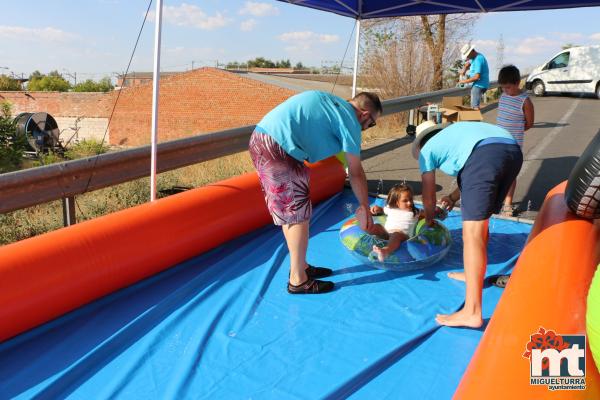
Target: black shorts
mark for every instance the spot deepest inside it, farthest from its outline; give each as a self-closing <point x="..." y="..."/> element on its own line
<point x="486" y="178"/>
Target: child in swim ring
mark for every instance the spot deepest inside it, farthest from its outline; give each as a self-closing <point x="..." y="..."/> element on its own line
<point x="402" y="217"/>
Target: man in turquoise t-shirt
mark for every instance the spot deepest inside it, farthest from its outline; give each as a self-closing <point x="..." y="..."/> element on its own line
<point x="486" y="159"/>
<point x="478" y="74"/>
<point x="309" y="126"/>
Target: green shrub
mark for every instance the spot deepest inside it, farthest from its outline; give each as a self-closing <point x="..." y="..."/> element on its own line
<point x="11" y="146"/>
<point x="86" y="148"/>
<point x="9" y="84"/>
<point x="47" y="159"/>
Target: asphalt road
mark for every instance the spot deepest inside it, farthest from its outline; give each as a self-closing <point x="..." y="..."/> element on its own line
<point x="564" y="125"/>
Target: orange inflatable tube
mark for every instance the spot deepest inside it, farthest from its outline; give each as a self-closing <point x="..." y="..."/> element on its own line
<point x="46" y="276"/>
<point x="548" y="289"/>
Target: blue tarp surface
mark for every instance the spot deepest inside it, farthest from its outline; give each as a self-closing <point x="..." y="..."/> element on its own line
<point x="222" y="326"/>
<point x="365" y="9"/>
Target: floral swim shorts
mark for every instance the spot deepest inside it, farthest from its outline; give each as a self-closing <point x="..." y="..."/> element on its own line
<point x="284" y="180"/>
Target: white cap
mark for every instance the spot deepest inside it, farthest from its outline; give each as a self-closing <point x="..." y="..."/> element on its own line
<point x="422" y="130"/>
<point x="466" y="50"/>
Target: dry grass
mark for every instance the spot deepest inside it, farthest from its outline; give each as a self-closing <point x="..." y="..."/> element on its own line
<point x="391" y="126"/>
<point x="33" y="221"/>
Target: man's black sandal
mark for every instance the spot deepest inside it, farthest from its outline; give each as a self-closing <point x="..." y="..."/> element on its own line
<point x="317" y="272"/>
<point x="311" y="286"/>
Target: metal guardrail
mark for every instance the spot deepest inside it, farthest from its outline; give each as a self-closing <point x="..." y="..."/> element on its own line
<point x="29" y="187"/>
<point x="65" y="180"/>
<point x="406" y="103"/>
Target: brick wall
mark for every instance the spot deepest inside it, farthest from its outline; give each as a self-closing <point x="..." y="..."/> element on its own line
<point x="59" y="104"/>
<point x="198" y="101"/>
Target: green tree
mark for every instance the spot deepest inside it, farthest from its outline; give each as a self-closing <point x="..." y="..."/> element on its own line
<point x="53" y="82"/>
<point x="8" y="83"/>
<point x="261" y="62"/>
<point x="11" y="146"/>
<point x="283" y="64"/>
<point x="36" y="75"/>
<point x="103" y="85"/>
<point x="299" y="65"/>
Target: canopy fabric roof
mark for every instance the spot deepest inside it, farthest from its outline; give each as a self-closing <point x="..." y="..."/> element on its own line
<point x="365" y="9"/>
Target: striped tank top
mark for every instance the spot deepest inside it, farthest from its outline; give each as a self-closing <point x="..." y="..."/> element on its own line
<point x="510" y="115"/>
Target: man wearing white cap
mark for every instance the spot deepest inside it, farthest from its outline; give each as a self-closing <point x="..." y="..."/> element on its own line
<point x="485" y="160"/>
<point x="478" y="73"/>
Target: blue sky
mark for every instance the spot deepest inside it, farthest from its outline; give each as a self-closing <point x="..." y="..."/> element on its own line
<point x="94" y="38"/>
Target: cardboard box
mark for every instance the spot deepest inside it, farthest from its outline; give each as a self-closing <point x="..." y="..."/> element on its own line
<point x="460" y="113"/>
<point x="453" y="101"/>
<point x="453" y="111"/>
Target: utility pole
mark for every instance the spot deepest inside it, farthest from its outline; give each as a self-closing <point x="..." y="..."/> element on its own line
<point x="500" y="53"/>
<point x="192" y="65"/>
<point x="71" y="75"/>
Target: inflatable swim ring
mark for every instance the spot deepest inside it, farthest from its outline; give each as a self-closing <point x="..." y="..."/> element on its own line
<point x="428" y="246"/>
<point x="592" y="317"/>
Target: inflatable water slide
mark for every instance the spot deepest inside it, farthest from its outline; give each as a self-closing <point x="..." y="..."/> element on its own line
<point x="185" y="298"/>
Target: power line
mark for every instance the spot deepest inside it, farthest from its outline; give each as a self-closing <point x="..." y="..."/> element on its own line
<point x="344" y="57"/>
<point x="116" y="100"/>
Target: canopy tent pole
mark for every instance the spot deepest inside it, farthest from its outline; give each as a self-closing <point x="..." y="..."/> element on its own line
<point x="155" y="86"/>
<point x="355" y="69"/>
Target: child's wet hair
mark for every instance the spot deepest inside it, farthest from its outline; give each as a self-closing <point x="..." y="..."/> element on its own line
<point x="395" y="193"/>
<point x="509" y="75"/>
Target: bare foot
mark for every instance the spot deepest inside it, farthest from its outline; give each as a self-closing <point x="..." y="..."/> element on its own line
<point x="361" y="216"/>
<point x="382" y="253"/>
<point x="460" y="318"/>
<point x="459" y="276"/>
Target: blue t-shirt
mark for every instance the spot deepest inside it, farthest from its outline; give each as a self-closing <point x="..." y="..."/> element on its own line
<point x="313" y="125"/>
<point x="450" y="148"/>
<point x="479" y="66"/>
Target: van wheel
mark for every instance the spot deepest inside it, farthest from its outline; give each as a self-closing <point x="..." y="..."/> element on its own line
<point x="598" y="90"/>
<point x="538" y="88"/>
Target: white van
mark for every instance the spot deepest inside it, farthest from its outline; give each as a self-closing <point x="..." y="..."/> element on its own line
<point x="573" y="70"/>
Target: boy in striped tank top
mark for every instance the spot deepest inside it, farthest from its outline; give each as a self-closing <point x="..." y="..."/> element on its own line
<point x="515" y="114"/>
